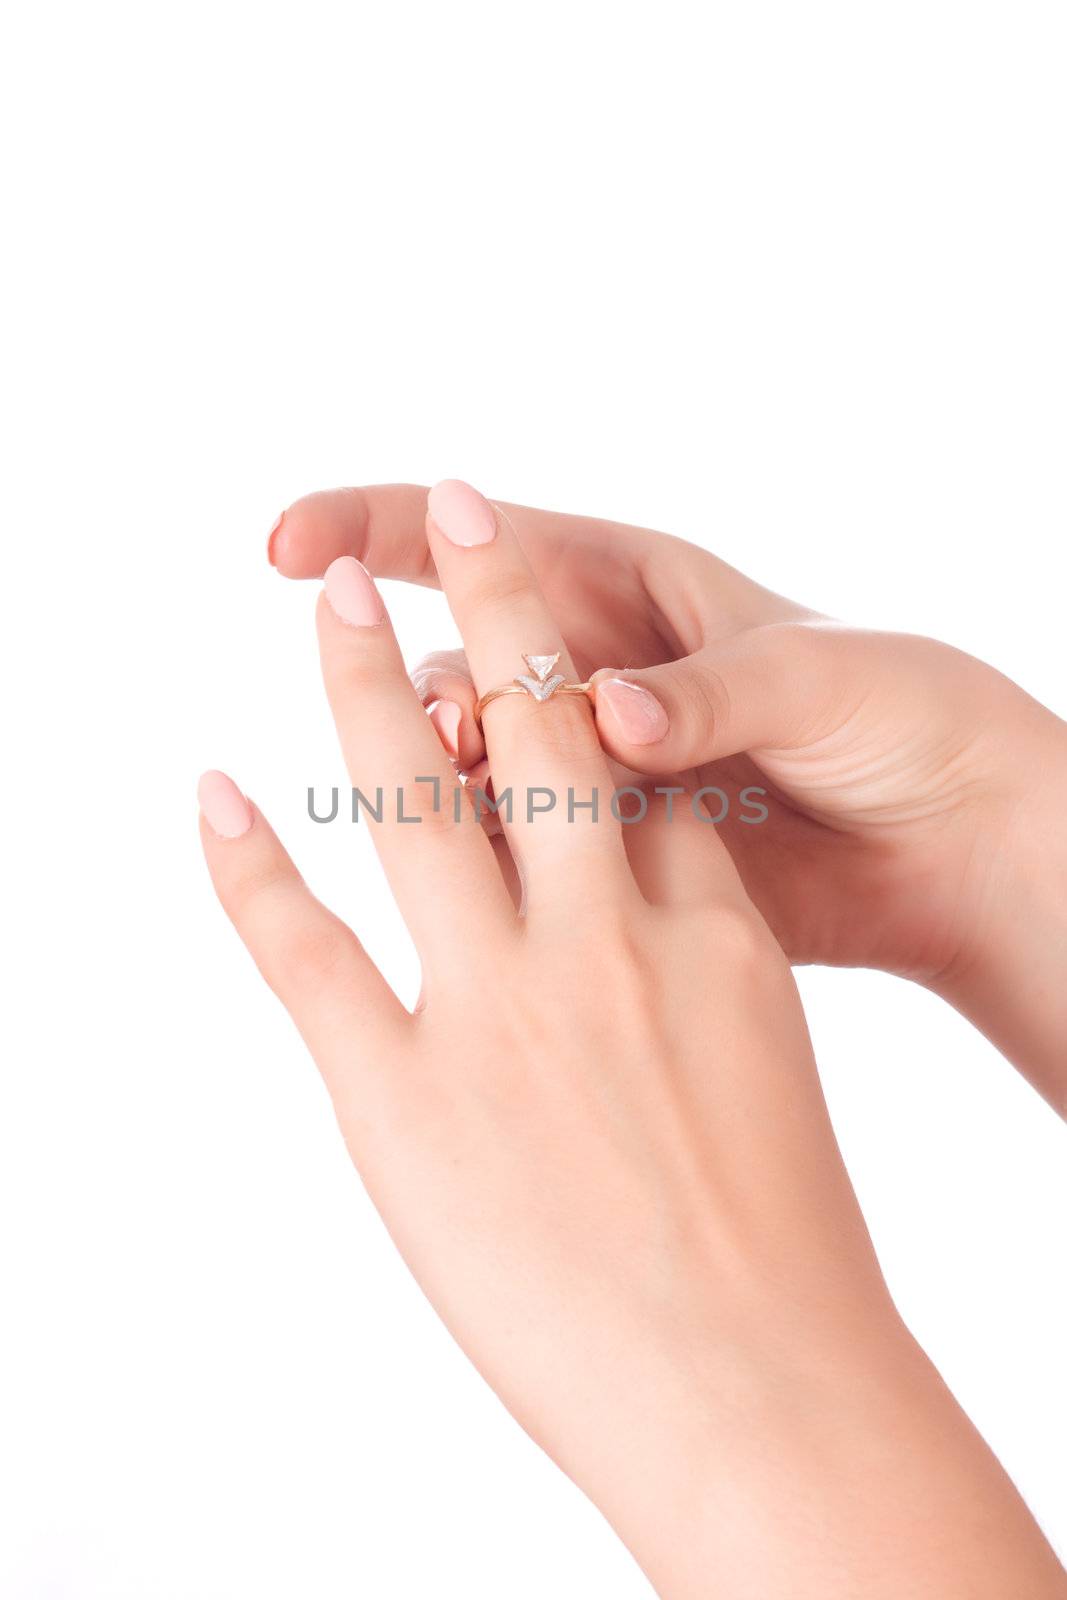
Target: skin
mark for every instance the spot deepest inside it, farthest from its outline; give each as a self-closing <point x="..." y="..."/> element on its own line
<point x="601" y="1146"/>
<point x="914" y="791"/>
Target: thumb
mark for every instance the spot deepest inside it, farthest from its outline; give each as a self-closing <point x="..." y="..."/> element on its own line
<point x="776" y="687"/>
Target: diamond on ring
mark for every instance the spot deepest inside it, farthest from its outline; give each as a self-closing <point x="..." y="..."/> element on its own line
<point x="541" y="686"/>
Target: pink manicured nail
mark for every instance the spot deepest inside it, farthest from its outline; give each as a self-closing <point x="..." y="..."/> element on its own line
<point x="640" y="717"/>
<point x="351" y="592"/>
<point x="461" y="513"/>
<point x="272" y="539"/>
<point x="225" y="808"/>
<point x="445" y="716"/>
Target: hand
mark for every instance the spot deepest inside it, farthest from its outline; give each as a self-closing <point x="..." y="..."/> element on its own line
<point x="601" y="1146"/>
<point x="914" y="792"/>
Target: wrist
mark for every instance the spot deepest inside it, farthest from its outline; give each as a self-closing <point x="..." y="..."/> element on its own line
<point x="843" y="1467"/>
<point x="1009" y="976"/>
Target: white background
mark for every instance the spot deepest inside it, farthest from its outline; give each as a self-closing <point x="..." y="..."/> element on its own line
<point x="785" y="279"/>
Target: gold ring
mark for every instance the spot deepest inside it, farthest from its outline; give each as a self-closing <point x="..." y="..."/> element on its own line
<point x="541" y="683"/>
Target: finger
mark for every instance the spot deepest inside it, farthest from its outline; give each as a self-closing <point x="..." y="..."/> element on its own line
<point x="673" y="845"/>
<point x="444" y="685"/>
<point x="546" y="755"/>
<point x="613" y="587"/>
<point x="383" y="526"/>
<point x="773" y="688"/>
<point x="591" y="569"/>
<point x="310" y="958"/>
<point x="438" y="862"/>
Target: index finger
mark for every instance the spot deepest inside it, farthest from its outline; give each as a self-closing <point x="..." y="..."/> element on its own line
<point x="384" y="527"/>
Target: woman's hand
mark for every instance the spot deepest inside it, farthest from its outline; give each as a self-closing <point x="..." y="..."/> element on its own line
<point x="601" y="1145"/>
<point x="914" y="793"/>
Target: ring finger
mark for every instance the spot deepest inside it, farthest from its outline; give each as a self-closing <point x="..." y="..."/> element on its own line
<point x="545" y="756"/>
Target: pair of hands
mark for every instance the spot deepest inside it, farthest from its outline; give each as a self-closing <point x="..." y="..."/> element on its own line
<point x="915" y="792"/>
<point x="600" y="1142"/>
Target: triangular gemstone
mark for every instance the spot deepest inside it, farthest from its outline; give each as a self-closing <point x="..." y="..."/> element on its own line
<point x="541" y="666"/>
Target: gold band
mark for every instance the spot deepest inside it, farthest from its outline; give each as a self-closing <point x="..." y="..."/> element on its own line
<point x="588" y="689"/>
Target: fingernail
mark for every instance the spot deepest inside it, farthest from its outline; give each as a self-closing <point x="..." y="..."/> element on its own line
<point x="225" y="808"/>
<point x="351" y="592"/>
<point x="445" y="716"/>
<point x="461" y="513"/>
<point x="640" y="717"/>
<point x="272" y="539"/>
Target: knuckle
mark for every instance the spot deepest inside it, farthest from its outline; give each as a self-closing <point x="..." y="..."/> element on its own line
<point x="256" y="885"/>
<point x="629" y="957"/>
<point x="426" y="806"/>
<point x="313" y="952"/>
<point x="500" y="592"/>
<point x="635" y="982"/>
<point x="362" y="692"/>
<point x="438" y="684"/>
<point x="439" y="672"/>
<point x="367" y="672"/>
<point x="427" y="683"/>
<point x="617" y="954"/>
<point x="297" y="942"/>
<point x="709" y="698"/>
